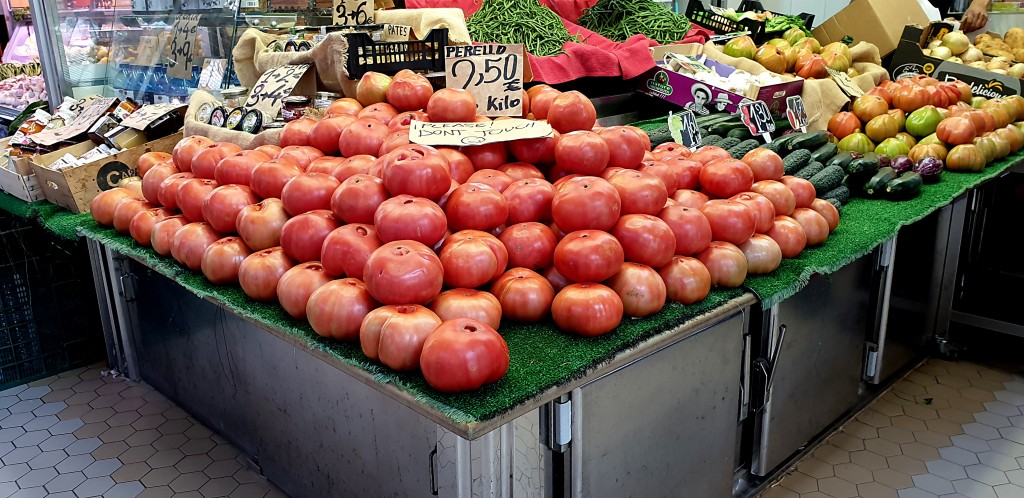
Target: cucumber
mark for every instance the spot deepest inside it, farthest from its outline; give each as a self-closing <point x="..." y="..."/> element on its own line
<point x="810" y="170"/>
<point x="867" y="165"/>
<point x="840" y="193"/>
<point x="703" y="131"/>
<point x="775" y="145"/>
<point x="841" y="159"/>
<point x="824" y="153"/>
<point x="907" y="186"/>
<point x="741" y="132"/>
<point x="723" y="127"/>
<point x="782" y="125"/>
<point x="743" y="147"/>
<point x="810" y="140"/>
<point x="875" y="186"/>
<point x="659" y="136"/>
<point x="714" y="118"/>
<point x="828" y="178"/>
<point x="710" y="139"/>
<point x="728" y="143"/>
<point x="796" y="161"/>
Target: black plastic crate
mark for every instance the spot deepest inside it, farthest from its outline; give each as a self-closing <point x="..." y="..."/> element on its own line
<point x="698" y="14"/>
<point x="366" y="55"/>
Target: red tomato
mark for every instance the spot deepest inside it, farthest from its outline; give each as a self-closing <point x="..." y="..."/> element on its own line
<point x="487" y="156"/>
<point x="394" y="335"/>
<point x="162" y="236"/>
<point x="204" y="164"/>
<point x="237" y="168"/>
<point x="363" y="136"/>
<point x="529" y="245"/>
<point x="625" y="147"/>
<point x="541" y="100"/>
<point x="476" y="206"/>
<point x="259" y="273"/>
<point x="300" y="155"/>
<point x="778" y="193"/>
<point x="190" y="197"/>
<point x="690" y="198"/>
<point x="186" y="149"/>
<point x="588" y="256"/>
<point x="344" y="106"/>
<point x="393" y="141"/>
<point x="297" y="132"/>
<point x="297" y="285"/>
<point x="645" y="239"/>
<point x="687" y="280"/>
<point x="269" y="149"/>
<point x="669" y="150"/>
<point x="691" y="229"/>
<point x="346" y="249"/>
<point x="141" y="226"/>
<point x="459" y="165"/>
<point x="639" y="192"/>
<point x="764" y="164"/>
<point x="521" y="171"/>
<point x="260" y="224"/>
<point x="640" y="288"/>
<point x="379" y="112"/>
<point x="326" y="133"/>
<point x="582" y="152"/>
<point x="492" y="240"/>
<point x="308" y="192"/>
<point x="336" y="310"/>
<point x="586" y="203"/>
<point x="357" y="199"/>
<point x="730" y="221"/>
<point x="471" y="262"/>
<point x="303" y="236"/>
<point x="529" y="200"/>
<point x="709" y="153"/>
<point x="404" y="120"/>
<point x="814" y="224"/>
<point x="525" y="295"/>
<point x="761" y="206"/>
<point x="687" y="172"/>
<point x="463" y="355"/>
<point x="450" y="105"/>
<point x="571" y="111"/>
<point x="726" y="263"/>
<point x="608" y="173"/>
<point x="355" y="165"/>
<point x="417" y="170"/>
<point x="325" y="165"/>
<point x="153" y="179"/>
<point x="535" y="150"/>
<point x="403" y="272"/>
<point x="763" y="254"/>
<point x="668" y="174"/>
<point x="557" y="281"/>
<point x="828" y="211"/>
<point x="789" y="235"/>
<point x="223" y="204"/>
<point x="803" y="190"/>
<point x="492" y="177"/>
<point x="126" y="209"/>
<point x="410" y="218"/>
<point x="468" y="303"/>
<point x="410" y="94"/>
<point x="587" y="309"/>
<point x="221" y="260"/>
<point x="190" y="242"/>
<point x="270" y="177"/>
<point x="134" y="185"/>
<point x="725" y="178"/>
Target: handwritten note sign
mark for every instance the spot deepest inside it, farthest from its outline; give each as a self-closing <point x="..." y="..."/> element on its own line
<point x="492" y="73"/>
<point x="396" y="32"/>
<point x="213" y="73"/>
<point x="758" y="118"/>
<point x="353" y="12"/>
<point x="183" y="40"/>
<point x="148" y="52"/>
<point x="684" y="130"/>
<point x="476" y="133"/>
<point x="275" y="85"/>
<point x="845" y="83"/>
<point x="89" y="115"/>
<point x="796" y="113"/>
<point x="142" y="118"/>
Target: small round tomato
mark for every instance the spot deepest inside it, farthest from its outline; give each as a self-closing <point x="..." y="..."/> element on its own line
<point x="640" y="288"/>
<point x="690" y="198"/>
<point x="625" y="147"/>
<point x="475" y="206"/>
<point x="222" y="259"/>
<point x="726" y="177"/>
<point x="336" y="310"/>
<point x="346" y="249"/>
<point x="394" y="335"/>
<point x="535" y="150"/>
<point x="639" y="192"/>
<point x="662" y="170"/>
<point x="468" y="303"/>
<point x="417" y="170"/>
<point x="789" y="235"/>
<point x="297" y="285"/>
<point x="582" y="152"/>
<point x="761" y="206"/>
<point x="691" y="229"/>
<point x="687" y="280"/>
<point x="492" y="177"/>
<point x="803" y="190"/>
<point x="487" y="156"/>
<point x="778" y="193"/>
<point x="410" y="218"/>
<point x="450" y="105"/>
<point x="469" y="263"/>
<point x="357" y="198"/>
<point x="303" y="236"/>
<point x="571" y="111"/>
<point x="645" y="239"/>
<point x="726" y="263"/>
<point x="529" y="200"/>
<point x="730" y="221"/>
<point x="814" y="224"/>
<point x="259" y="273"/>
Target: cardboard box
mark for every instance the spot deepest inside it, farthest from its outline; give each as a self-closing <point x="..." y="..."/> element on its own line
<point x="691" y="49"/>
<point x="18" y="179"/>
<point x="74" y="188"/>
<point x="875" y="21"/>
<point x="684" y="91"/>
<point x="909" y="61"/>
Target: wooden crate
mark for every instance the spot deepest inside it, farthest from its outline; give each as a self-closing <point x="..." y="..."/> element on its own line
<point x="74" y="188"/>
<point x="18" y="179"/>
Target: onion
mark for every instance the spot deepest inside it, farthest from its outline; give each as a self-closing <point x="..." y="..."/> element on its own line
<point x="956" y="41"/>
<point x="942" y="52"/>
<point x="998" y="63"/>
<point x="955" y="59"/>
<point x="1017" y="71"/>
<point x="935" y="43"/>
<point x="926" y="51"/>
<point x="978" y="64"/>
<point x="972" y="54"/>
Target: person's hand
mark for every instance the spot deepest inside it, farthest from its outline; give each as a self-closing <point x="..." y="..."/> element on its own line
<point x="976" y="16"/>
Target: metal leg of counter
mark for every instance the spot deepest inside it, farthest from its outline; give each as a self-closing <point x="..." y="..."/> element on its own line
<point x="116" y="302"/>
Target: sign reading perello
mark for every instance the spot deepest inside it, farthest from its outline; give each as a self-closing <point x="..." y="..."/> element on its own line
<point x="492" y="73"/>
<point x="453" y="134"/>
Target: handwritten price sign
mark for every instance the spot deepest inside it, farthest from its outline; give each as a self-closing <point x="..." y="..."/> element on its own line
<point x="684" y="129"/>
<point x="796" y="113"/>
<point x="275" y="85"/>
<point x="453" y="134"/>
<point x="758" y="118"/>
<point x="492" y="73"/>
<point x="89" y="115"/>
<point x="353" y="12"/>
<point x="183" y="40"/>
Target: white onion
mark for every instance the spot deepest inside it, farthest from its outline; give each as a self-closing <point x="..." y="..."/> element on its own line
<point x="955" y="59"/>
<point x="935" y="43"/>
<point x="1002" y="63"/>
<point x="942" y="52"/>
<point x="972" y="54"/>
<point x="978" y="64"/>
<point x="1017" y="71"/>
<point x="956" y="41"/>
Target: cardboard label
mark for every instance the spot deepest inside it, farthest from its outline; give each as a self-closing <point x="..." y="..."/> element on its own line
<point x="89" y="115"/>
<point x="183" y="39"/>
<point x="396" y="32"/>
<point x="684" y="129"/>
<point x="148" y="52"/>
<point x="146" y="114"/>
<point x="353" y="12"/>
<point x="213" y="74"/>
<point x="845" y="83"/>
<point x="275" y="85"/>
<point x="758" y="117"/>
<point x="476" y="133"/>
<point x="796" y="113"/>
<point x="492" y="73"/>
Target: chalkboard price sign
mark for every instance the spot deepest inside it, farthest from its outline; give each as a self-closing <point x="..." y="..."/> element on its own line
<point x="183" y="41"/>
<point x="492" y="73"/>
<point x="758" y="118"/>
<point x="684" y="129"/>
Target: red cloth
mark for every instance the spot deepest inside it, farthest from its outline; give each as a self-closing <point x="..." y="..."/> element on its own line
<point x="570" y="10"/>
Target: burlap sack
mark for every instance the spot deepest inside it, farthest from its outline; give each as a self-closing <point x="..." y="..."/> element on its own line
<point x="253" y="57"/>
<point x="239" y="138"/>
<point x="423" y="20"/>
<point x="822" y="97"/>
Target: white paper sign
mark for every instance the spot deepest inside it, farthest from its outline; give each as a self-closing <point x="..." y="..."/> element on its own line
<point x="477" y="133"/>
<point x="273" y="86"/>
<point x="492" y="73"/>
<point x="183" y="42"/>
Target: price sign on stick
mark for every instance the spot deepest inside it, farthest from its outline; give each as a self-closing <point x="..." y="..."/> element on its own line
<point x="492" y="73"/>
<point x="353" y="12"/>
<point x="183" y="40"/>
<point x="796" y="113"/>
<point x="684" y="129"/>
<point x="275" y="85"/>
<point x="845" y="83"/>
<point x="758" y="118"/>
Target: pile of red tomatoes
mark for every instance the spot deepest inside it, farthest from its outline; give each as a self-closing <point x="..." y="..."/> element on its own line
<point x="419" y="253"/>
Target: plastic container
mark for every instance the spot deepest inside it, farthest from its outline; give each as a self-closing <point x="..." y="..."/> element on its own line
<point x="698" y="14"/>
<point x="365" y="55"/>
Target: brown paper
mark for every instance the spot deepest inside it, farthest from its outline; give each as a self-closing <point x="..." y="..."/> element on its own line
<point x="218" y="134"/>
<point x="423" y="20"/>
<point x="492" y="73"/>
<point x="253" y="57"/>
<point x="453" y="134"/>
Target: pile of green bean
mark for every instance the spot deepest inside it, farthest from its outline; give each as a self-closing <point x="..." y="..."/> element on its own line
<point x="619" y="19"/>
<point x="538" y="28"/>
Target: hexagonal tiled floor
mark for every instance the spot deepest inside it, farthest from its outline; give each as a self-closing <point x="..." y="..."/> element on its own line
<point x="84" y="433"/>
<point x="947" y="430"/>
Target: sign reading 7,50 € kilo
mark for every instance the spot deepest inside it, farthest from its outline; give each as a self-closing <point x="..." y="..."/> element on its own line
<point x="492" y="73"/>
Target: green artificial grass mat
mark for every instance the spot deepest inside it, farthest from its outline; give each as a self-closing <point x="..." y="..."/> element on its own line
<point x="55" y="218"/>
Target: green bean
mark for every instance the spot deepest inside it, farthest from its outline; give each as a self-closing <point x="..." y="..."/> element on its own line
<point x="618" y="20"/>
<point x="538" y="28"/>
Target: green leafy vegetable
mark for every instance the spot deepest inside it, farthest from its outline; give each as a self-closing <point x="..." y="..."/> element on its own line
<point x="538" y="28"/>
<point x="620" y="19"/>
<point x="782" y="23"/>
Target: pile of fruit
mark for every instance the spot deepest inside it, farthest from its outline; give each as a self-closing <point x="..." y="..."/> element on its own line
<point x="794" y="53"/>
<point x="419" y="253"/>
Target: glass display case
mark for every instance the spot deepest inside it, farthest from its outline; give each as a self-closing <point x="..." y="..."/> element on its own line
<point x="123" y="48"/>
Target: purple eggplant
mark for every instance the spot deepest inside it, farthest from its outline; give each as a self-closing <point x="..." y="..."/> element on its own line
<point x="902" y="164"/>
<point x="884" y="161"/>
<point x="930" y="169"/>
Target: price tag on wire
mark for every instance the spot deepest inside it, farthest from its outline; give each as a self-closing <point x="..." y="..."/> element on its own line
<point x="796" y="113"/>
<point x="353" y="12"/>
<point x="684" y="130"/>
<point x="492" y="73"/>
<point x="183" y="40"/>
<point x="758" y="118"/>
<point x="275" y="85"/>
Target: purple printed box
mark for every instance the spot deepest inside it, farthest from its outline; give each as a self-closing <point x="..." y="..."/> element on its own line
<point x="702" y="98"/>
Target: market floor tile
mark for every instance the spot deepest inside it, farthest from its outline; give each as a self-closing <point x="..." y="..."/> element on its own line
<point x="89" y="433"/>
<point x="948" y="429"/>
